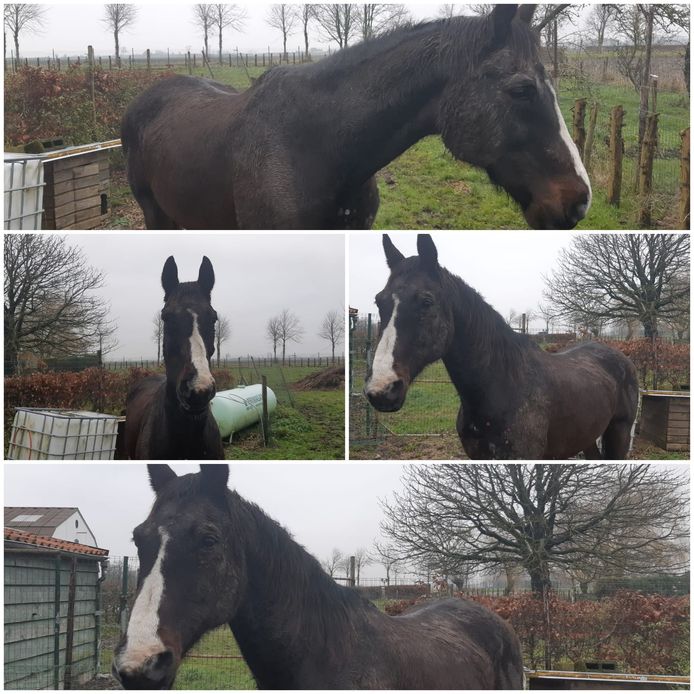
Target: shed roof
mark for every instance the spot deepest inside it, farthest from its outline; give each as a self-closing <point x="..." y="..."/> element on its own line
<point x="41" y="520"/>
<point x="32" y="539"/>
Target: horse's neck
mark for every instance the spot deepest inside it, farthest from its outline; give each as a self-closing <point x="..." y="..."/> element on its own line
<point x="485" y="355"/>
<point x="291" y="616"/>
<point x="383" y="105"/>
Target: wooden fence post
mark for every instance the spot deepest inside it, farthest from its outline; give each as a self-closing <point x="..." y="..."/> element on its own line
<point x="266" y="418"/>
<point x="650" y="142"/>
<point x="685" y="220"/>
<point x="579" y="134"/>
<point x="590" y="135"/>
<point x="149" y="65"/>
<point x="614" y="184"/>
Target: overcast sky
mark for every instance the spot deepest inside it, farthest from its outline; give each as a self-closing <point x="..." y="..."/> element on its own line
<point x="257" y="275"/>
<point x="506" y="267"/>
<point x="70" y="27"/>
<point x="322" y="505"/>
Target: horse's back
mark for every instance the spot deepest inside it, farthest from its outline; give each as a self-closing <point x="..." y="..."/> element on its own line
<point x="138" y="406"/>
<point x="484" y="645"/>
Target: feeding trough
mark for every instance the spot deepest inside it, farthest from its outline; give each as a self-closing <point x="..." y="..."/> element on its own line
<point x="240" y="407"/>
<point x="51" y="434"/>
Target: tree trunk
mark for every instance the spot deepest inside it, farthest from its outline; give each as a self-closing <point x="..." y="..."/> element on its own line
<point x="220" y="47"/>
<point x="117" y="46"/>
<point x="306" y="44"/>
<point x="284" y="45"/>
<point x="284" y="350"/>
<point x="16" y="47"/>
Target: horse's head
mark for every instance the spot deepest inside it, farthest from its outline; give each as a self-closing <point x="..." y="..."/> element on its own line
<point x="189" y="321"/>
<point x="416" y="323"/>
<point x="190" y="570"/>
<point x="502" y="115"/>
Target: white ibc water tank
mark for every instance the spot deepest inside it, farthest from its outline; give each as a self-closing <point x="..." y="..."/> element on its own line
<point x="62" y="435"/>
<point x="23" y="191"/>
<point x="240" y="407"/>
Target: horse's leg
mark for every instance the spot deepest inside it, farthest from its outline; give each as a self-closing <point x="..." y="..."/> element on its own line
<point x="593" y="452"/>
<point x="155" y="217"/>
<point x="357" y="207"/>
<point x="616" y="441"/>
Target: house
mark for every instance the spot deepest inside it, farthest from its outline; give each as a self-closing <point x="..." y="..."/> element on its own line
<point x="61" y="523"/>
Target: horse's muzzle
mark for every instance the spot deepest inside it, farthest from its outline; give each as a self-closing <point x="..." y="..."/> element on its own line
<point x="389" y="398"/>
<point x="195" y="400"/>
<point x="156" y="672"/>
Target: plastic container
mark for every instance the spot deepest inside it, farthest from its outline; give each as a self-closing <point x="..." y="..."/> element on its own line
<point x="240" y="407"/>
<point x="23" y="191"/>
<point x="39" y="434"/>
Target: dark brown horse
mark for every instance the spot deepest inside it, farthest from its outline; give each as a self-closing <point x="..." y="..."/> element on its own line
<point x="517" y="401"/>
<point x="168" y="417"/>
<point x="208" y="557"/>
<point x="299" y="148"/>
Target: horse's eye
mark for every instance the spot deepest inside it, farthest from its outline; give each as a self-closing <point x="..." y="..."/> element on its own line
<point x="208" y="541"/>
<point x="525" y="91"/>
<point x="426" y="300"/>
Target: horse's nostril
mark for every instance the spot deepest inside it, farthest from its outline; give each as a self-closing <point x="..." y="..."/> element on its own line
<point x="159" y="665"/>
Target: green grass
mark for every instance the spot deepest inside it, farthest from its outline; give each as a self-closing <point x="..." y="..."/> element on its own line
<point x="312" y="429"/>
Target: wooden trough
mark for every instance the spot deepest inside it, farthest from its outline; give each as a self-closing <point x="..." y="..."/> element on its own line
<point x="665" y="418"/>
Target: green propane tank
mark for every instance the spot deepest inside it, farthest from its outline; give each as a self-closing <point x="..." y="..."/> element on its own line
<point x="240" y="407"/>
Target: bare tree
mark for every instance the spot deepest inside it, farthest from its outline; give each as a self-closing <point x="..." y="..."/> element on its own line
<point x="272" y="330"/>
<point x="19" y="17"/>
<point x="337" y="22"/>
<point x="386" y="554"/>
<point x="305" y="17"/>
<point x="361" y="560"/>
<point x="545" y="517"/>
<point x="598" y="22"/>
<point x="450" y="10"/>
<point x="227" y="17"/>
<point x="288" y="327"/>
<point x="615" y="276"/>
<point x="222" y="334"/>
<point x="548" y="314"/>
<point x="333" y="329"/>
<point x="203" y="18"/>
<point x="50" y="307"/>
<point x="283" y="17"/>
<point x="117" y="17"/>
<point x="333" y="562"/>
<point x="158" y="333"/>
<point x="375" y="18"/>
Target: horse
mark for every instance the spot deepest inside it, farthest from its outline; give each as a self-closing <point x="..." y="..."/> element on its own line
<point x="299" y="148"/>
<point x="208" y="557"/>
<point x="168" y="417"/>
<point x="516" y="400"/>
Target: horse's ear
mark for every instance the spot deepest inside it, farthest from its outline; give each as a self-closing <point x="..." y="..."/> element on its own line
<point x="526" y="12"/>
<point x="428" y="254"/>
<point x="393" y="255"/>
<point x="160" y="476"/>
<point x="214" y="478"/>
<point x="169" y="277"/>
<point x="501" y="17"/>
<point x="206" y="275"/>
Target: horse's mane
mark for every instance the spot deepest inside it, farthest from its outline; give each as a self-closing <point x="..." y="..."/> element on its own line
<point x="487" y="332"/>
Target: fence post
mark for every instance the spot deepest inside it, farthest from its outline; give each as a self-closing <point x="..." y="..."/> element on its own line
<point x="56" y="624"/>
<point x="614" y="183"/>
<point x="266" y="418"/>
<point x="352" y="571"/>
<point x="123" y="604"/>
<point x="650" y="142"/>
<point x="590" y="135"/>
<point x="70" y="629"/>
<point x="579" y="134"/>
<point x="685" y="220"/>
<point x="148" y="60"/>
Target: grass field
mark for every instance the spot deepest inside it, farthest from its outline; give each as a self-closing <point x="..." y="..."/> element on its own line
<point x="427" y="188"/>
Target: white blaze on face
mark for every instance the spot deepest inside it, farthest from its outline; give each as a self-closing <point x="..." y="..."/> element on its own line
<point x="571" y="146"/>
<point x="382" y="371"/>
<point x="142" y="638"/>
<point x="198" y="355"/>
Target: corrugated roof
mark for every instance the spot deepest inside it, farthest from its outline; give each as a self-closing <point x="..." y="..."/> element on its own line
<point x="50" y="518"/>
<point x="27" y="538"/>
